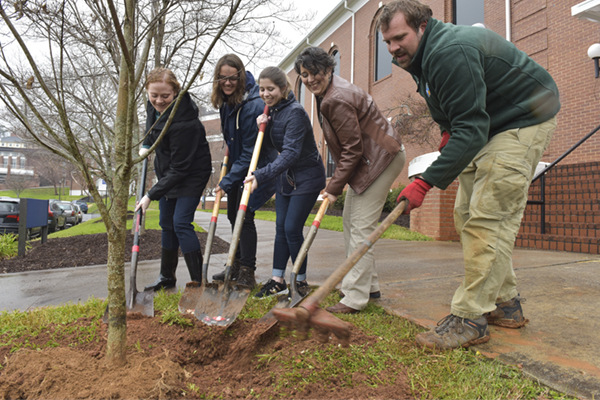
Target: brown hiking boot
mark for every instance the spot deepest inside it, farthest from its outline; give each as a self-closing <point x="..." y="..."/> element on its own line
<point x="453" y="332"/>
<point x="508" y="314"/>
<point x="246" y="278"/>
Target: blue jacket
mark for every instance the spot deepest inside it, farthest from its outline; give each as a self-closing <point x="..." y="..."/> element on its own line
<point x="238" y="125"/>
<point x="299" y="168"/>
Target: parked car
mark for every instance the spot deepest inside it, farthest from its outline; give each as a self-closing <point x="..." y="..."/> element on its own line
<point x="9" y="218"/>
<point x="78" y="213"/>
<point x="56" y="217"/>
<point x="70" y="213"/>
<point x="82" y="205"/>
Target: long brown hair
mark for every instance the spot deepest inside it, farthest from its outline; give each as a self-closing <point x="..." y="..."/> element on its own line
<point x="218" y="98"/>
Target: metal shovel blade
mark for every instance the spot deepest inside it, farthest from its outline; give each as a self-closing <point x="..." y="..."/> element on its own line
<point x="191" y="294"/>
<point x="143" y="302"/>
<point x="284" y="301"/>
<point x="221" y="304"/>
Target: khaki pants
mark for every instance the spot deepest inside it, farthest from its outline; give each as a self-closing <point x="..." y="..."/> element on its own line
<point x="489" y="207"/>
<point x="361" y="215"/>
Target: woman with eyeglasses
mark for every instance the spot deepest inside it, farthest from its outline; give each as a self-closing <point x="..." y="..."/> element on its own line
<point x="236" y="95"/>
<point x="368" y="155"/>
<point x="298" y="172"/>
<point x="182" y="166"/>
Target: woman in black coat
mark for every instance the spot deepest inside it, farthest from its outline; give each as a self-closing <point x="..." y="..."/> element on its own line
<point x="183" y="167"/>
<point x="298" y="173"/>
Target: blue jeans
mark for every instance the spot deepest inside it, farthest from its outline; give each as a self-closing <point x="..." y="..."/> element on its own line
<point x="176" y="216"/>
<point x="291" y="213"/>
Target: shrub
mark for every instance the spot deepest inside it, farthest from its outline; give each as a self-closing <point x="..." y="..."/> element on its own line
<point x="339" y="203"/>
<point x="8" y="245"/>
<point x="270" y="203"/>
<point x="390" y="202"/>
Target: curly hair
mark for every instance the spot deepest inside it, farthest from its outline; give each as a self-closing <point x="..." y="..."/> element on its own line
<point x="315" y="60"/>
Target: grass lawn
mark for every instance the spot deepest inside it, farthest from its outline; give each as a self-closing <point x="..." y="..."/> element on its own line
<point x="457" y="374"/>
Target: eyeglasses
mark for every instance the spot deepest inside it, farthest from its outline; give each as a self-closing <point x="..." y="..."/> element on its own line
<point x="232" y="78"/>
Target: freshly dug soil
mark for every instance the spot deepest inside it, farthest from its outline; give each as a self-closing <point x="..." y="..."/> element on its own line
<point x="82" y="250"/>
<point x="170" y="362"/>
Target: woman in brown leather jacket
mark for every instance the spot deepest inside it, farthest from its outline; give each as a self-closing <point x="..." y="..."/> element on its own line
<point x="368" y="154"/>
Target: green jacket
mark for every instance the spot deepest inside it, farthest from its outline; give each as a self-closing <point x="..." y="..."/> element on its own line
<point x="477" y="84"/>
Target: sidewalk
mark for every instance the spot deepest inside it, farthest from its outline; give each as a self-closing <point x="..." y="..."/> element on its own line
<point x="559" y="346"/>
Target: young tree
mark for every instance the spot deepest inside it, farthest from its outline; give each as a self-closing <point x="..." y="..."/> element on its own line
<point x="80" y="98"/>
<point x="412" y="120"/>
<point x="18" y="183"/>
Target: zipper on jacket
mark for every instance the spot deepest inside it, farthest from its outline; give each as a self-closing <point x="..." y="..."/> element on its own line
<point x="366" y="160"/>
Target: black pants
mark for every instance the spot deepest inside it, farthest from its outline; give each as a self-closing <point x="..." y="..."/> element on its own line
<point x="246" y="250"/>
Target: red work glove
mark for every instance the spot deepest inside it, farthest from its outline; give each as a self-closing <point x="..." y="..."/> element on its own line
<point x="445" y="138"/>
<point x="415" y="193"/>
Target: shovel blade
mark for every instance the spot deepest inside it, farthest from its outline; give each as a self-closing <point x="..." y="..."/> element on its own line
<point x="191" y="294"/>
<point x="269" y="320"/>
<point x="143" y="302"/>
<point x="220" y="305"/>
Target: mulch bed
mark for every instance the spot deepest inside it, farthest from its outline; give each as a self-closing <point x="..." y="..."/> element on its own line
<point x="82" y="250"/>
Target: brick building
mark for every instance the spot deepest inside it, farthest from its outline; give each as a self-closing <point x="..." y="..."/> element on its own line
<point x="548" y="32"/>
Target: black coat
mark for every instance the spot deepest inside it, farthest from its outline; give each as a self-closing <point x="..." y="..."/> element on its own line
<point x="299" y="168"/>
<point x="182" y="163"/>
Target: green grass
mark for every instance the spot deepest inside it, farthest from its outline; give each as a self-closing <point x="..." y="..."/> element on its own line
<point x="391" y="350"/>
<point x="334" y="223"/>
<point x="41" y="194"/>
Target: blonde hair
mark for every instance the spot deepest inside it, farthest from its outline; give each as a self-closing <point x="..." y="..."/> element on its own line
<point x="278" y="77"/>
<point x="163" y="75"/>
<point x="218" y="97"/>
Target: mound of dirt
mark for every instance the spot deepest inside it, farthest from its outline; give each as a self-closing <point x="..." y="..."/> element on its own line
<point x="171" y="362"/>
<point x="82" y="250"/>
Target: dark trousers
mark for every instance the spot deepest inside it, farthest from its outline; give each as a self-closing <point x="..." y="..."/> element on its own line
<point x="176" y="216"/>
<point x="246" y="250"/>
<point x="292" y="212"/>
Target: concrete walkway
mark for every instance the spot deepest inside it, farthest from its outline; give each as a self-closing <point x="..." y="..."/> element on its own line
<point x="417" y="280"/>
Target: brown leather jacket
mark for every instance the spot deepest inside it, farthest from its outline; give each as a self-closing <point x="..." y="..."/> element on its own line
<point x="360" y="139"/>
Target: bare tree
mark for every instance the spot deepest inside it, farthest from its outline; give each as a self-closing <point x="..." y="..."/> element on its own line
<point x="18" y="183"/>
<point x="414" y="123"/>
<point x="80" y="99"/>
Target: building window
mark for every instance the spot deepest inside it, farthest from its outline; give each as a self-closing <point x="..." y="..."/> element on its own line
<point x="4" y="161"/>
<point x="13" y="162"/>
<point x="383" y="58"/>
<point x="468" y="12"/>
<point x="336" y="56"/>
<point x="330" y="165"/>
<point x="22" y="162"/>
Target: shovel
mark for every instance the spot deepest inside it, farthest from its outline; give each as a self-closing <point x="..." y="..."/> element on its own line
<point x="221" y="303"/>
<point x="142" y="302"/>
<point x="193" y="290"/>
<point x="309" y="315"/>
<point x="269" y="320"/>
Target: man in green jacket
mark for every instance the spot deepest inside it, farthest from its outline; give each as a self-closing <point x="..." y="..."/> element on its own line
<point x="496" y="108"/>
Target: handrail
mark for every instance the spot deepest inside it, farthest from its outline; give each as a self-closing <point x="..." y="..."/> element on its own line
<point x="541" y="174"/>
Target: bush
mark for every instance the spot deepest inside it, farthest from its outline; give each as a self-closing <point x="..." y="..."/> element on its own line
<point x="339" y="203"/>
<point x="270" y="203"/>
<point x="390" y="202"/>
<point x="8" y="245"/>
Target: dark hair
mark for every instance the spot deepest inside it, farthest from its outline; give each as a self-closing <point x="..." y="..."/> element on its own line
<point x="162" y="75"/>
<point x="315" y="60"/>
<point x="278" y="77"/>
<point x="414" y="12"/>
<point x="217" y="98"/>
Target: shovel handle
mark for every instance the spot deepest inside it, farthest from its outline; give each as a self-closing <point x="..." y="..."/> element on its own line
<point x="312" y="302"/>
<point x="136" y="237"/>
<point x="241" y="214"/>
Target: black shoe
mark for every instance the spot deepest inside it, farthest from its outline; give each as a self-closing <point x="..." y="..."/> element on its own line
<point x="302" y="288"/>
<point x="168" y="266"/>
<point x="193" y="260"/>
<point x="508" y="314"/>
<point x="235" y="272"/>
<point x="246" y="277"/>
<point x="272" y="288"/>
